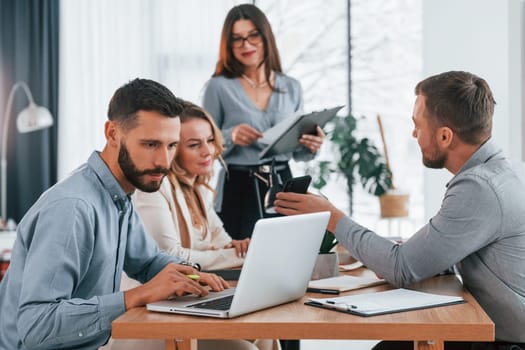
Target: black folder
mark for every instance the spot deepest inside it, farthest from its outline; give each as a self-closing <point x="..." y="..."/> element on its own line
<point x="288" y="140"/>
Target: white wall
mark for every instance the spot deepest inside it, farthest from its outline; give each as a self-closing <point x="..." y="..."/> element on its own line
<point x="484" y="37"/>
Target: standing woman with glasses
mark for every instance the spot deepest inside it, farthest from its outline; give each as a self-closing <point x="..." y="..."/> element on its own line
<point x="247" y="95"/>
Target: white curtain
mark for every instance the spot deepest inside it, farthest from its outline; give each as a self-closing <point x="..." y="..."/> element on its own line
<point x="103" y="44"/>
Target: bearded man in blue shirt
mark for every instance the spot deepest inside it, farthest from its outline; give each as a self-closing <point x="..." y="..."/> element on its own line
<point x="62" y="287"/>
<point x="480" y="227"/>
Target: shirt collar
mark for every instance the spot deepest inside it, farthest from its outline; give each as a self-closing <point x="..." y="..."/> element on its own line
<point x="485" y="152"/>
<point x="107" y="179"/>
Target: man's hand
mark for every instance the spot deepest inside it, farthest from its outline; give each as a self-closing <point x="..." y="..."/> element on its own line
<point x="289" y="203"/>
<point x="216" y="283"/>
<point x="173" y="280"/>
<point x="241" y="246"/>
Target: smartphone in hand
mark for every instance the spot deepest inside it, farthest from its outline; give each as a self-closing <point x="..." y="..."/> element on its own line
<point x="297" y="184"/>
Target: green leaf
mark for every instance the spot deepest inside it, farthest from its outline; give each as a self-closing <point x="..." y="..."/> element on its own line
<point x="328" y="242"/>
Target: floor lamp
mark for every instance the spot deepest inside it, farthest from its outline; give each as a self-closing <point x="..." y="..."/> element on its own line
<point x="31" y="118"/>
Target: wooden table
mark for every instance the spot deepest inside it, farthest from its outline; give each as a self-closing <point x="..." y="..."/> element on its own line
<point x="428" y="328"/>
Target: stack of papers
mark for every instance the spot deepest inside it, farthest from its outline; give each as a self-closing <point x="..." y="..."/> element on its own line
<point x="334" y="285"/>
<point x="390" y="301"/>
<point x="350" y="267"/>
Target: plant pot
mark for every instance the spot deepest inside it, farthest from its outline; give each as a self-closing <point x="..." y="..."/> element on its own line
<point x="394" y="204"/>
<point x="326" y="265"/>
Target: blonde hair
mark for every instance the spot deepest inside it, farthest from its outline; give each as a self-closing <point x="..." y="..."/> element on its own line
<point x="180" y="179"/>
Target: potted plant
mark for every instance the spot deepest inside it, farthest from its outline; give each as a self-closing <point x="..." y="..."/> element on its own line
<point x="327" y="262"/>
<point x="359" y="161"/>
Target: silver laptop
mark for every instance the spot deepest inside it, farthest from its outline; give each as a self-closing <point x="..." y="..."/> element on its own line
<point x="277" y="269"/>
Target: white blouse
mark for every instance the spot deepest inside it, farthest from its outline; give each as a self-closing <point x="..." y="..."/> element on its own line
<point x="159" y="215"/>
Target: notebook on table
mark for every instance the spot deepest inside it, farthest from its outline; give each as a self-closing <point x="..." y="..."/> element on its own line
<point x="276" y="270"/>
<point x="335" y="285"/>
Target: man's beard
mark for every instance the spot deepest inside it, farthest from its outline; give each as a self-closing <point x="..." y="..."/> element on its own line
<point x="134" y="175"/>
<point x="437" y="161"/>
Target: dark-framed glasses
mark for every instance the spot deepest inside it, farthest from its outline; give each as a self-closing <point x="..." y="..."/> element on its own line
<point x="254" y="38"/>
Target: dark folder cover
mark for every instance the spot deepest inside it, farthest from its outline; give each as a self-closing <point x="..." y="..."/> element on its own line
<point x="288" y="141"/>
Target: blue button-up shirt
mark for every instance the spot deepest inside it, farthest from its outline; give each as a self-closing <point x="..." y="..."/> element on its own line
<point x="62" y="287"/>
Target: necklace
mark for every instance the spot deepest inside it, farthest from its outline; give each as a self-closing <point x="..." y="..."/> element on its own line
<point x="253" y="84"/>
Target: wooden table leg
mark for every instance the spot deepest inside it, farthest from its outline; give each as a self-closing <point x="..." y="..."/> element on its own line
<point x="429" y="345"/>
<point x="181" y="344"/>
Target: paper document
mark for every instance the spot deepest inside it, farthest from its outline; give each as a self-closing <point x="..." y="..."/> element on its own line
<point x="284" y="136"/>
<point x="379" y="303"/>
<point x="350" y="267"/>
<point x="275" y="131"/>
<point x="345" y="283"/>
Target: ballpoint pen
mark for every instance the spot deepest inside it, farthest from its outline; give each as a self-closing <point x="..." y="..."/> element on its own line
<point x="193" y="277"/>
<point x="341" y="306"/>
<point x="322" y="291"/>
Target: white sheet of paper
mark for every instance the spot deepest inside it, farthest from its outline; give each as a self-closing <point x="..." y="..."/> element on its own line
<point x="271" y="134"/>
<point x="350" y="267"/>
<point x="387" y="301"/>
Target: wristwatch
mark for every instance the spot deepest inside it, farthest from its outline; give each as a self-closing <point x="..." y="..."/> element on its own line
<point x="196" y="266"/>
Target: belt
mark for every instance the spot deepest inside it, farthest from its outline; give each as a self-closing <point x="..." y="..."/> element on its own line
<point x="260" y="168"/>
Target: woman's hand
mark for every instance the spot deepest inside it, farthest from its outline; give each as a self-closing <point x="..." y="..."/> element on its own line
<point x="245" y="135"/>
<point x="313" y="142"/>
<point x="241" y="246"/>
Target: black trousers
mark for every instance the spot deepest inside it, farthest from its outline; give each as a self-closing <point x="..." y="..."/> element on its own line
<point x="240" y="210"/>
<point x="408" y="345"/>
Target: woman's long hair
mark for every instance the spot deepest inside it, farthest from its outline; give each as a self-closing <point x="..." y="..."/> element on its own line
<point x="228" y="65"/>
<point x="179" y="177"/>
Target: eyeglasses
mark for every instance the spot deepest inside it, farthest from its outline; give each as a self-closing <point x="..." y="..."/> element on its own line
<point x="254" y="38"/>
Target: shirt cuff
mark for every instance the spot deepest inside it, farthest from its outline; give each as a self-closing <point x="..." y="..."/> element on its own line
<point x="342" y="228"/>
<point x="111" y="306"/>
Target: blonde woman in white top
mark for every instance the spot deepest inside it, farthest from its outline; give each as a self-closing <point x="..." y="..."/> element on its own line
<point x="180" y="216"/>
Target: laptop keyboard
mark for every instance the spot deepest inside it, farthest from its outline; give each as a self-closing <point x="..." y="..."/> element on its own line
<point x="223" y="303"/>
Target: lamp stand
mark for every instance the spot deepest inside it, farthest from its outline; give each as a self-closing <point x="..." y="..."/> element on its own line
<point x="29" y="119"/>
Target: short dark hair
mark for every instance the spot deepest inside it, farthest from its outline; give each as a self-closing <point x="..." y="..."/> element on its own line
<point x="461" y="101"/>
<point x="142" y="94"/>
<point x="228" y="65"/>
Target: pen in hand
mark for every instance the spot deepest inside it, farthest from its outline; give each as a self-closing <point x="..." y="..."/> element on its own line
<point x="193" y="277"/>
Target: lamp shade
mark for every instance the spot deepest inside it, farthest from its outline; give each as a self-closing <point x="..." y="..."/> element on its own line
<point x="33" y="118"/>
